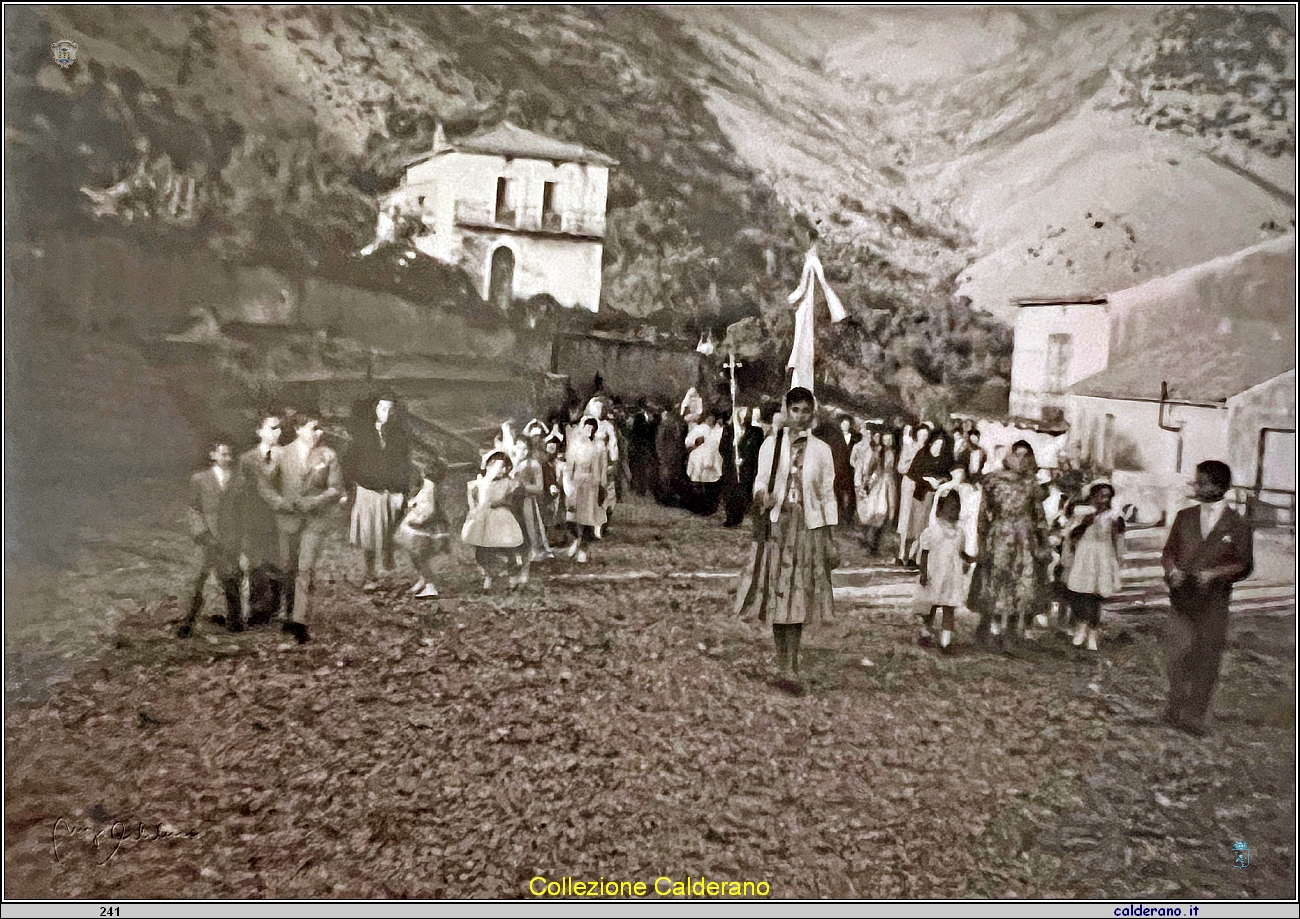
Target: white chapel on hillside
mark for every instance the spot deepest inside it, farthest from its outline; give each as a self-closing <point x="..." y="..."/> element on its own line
<point x="523" y="214"/>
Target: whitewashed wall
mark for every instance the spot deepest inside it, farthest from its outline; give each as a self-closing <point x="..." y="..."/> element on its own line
<point x="1145" y="456"/>
<point x="1089" y="328"/>
<point x="567" y="268"/>
<point x="1269" y="405"/>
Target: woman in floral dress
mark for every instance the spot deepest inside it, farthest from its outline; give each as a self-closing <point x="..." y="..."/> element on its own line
<point x="1010" y="584"/>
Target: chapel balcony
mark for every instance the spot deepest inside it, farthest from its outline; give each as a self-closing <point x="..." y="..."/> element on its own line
<point x="529" y="219"/>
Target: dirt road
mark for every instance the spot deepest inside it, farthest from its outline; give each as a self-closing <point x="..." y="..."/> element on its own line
<point x="604" y="722"/>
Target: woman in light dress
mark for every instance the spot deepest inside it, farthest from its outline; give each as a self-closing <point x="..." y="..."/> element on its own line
<point x="607" y="438"/>
<point x="863" y="459"/>
<point x="912" y="444"/>
<point x="585" y="465"/>
<point x="882" y="494"/>
<point x="788" y="581"/>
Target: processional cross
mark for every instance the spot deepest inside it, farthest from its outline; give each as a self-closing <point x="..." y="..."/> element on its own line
<point x="730" y="366"/>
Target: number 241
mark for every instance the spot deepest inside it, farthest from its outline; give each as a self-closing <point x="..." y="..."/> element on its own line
<point x="110" y="910"/>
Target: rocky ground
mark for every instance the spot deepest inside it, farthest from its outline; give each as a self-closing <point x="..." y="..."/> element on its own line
<point x="615" y="719"/>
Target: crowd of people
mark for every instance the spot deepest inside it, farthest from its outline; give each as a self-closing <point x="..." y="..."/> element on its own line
<point x="980" y="530"/>
<point x="993" y="533"/>
<point x="990" y="532"/>
<point x="986" y="532"/>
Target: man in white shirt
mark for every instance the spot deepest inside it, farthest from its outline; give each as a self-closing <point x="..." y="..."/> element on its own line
<point x="1211" y="512"/>
<point x="704" y="463"/>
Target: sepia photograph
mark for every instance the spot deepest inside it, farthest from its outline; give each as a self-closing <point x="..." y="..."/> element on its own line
<point x="658" y="454"/>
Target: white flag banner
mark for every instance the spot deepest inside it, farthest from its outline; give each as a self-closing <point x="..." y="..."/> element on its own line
<point x="801" y="355"/>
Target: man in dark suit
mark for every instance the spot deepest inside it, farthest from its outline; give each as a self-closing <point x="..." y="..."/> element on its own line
<point x="741" y="495"/>
<point x="304" y="484"/>
<point x="1210" y="548"/>
<point x="214" y="525"/>
<point x="641" y="450"/>
<point x="670" y="448"/>
<point x="261" y="542"/>
<point x="842" y="439"/>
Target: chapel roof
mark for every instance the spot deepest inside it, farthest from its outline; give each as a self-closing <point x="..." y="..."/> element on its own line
<point x="509" y="139"/>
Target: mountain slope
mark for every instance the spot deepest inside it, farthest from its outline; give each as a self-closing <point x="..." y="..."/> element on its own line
<point x="1005" y="126"/>
<point x="290" y="119"/>
<point x="939" y="152"/>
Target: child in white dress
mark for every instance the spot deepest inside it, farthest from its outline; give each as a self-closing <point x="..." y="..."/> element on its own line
<point x="943" y="563"/>
<point x="1090" y="558"/>
<point x="490" y="526"/>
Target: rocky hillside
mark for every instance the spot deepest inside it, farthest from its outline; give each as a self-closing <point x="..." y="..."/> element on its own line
<point x="287" y="120"/>
<point x="1018" y="150"/>
<point x="941" y="154"/>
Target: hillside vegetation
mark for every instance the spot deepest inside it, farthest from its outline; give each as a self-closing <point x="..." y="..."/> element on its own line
<point x="948" y="159"/>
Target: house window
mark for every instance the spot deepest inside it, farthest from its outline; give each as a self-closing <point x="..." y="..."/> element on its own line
<point x="1276" y="464"/>
<point x="421" y="200"/>
<point x="1058" y="362"/>
<point x="503" y="213"/>
<point x="550" y="219"/>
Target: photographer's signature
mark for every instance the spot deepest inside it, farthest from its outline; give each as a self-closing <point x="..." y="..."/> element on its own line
<point x="115" y="834"/>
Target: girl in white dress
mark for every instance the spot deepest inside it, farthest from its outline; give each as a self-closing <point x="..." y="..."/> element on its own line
<point x="490" y="526"/>
<point x="943" y="570"/>
<point x="423" y="531"/>
<point x="1091" y="558"/>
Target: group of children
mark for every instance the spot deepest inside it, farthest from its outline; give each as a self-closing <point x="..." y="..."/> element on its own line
<point x="1090" y="539"/>
<point x="525" y="484"/>
<point x="504" y="523"/>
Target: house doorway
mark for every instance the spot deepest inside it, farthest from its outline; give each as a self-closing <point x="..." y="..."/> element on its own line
<point x="502" y="278"/>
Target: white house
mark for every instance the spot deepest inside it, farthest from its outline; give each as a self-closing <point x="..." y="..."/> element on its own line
<point x="1152" y="380"/>
<point x="1058" y="342"/>
<point x="523" y="214"/>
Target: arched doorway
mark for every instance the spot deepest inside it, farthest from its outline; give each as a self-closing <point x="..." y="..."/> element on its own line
<point x="502" y="278"/>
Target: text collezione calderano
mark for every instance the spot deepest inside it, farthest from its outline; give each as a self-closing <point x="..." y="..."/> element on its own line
<point x="661" y="886"/>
